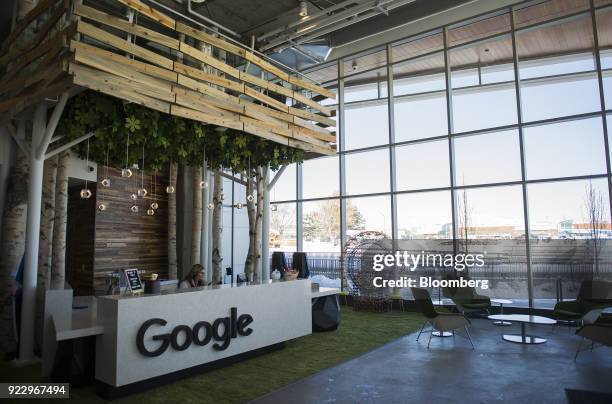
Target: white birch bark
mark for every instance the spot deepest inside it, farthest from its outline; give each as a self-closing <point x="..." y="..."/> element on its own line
<point x="58" y="251"/>
<point x="45" y="240"/>
<point x="13" y="246"/>
<point x="217" y="225"/>
<point x="196" y="222"/>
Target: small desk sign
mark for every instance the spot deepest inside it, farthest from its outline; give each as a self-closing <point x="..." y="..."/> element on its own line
<point x="134" y="283"/>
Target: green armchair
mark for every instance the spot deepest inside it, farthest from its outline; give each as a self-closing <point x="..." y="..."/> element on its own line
<point x="594" y="296"/>
<point x="467" y="300"/>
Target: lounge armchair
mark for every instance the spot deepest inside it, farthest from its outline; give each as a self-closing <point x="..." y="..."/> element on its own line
<point x="593" y="297"/>
<point x="599" y="332"/>
<point x="439" y="320"/>
<point x="466" y="299"/>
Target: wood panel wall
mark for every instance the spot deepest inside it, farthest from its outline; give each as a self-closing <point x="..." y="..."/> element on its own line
<point x="129" y="240"/>
<point x="80" y="235"/>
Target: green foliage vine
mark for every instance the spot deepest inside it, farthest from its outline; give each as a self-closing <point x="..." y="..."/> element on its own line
<point x="165" y="138"/>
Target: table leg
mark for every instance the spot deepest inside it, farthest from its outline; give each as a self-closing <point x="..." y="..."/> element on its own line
<point x="523" y="338"/>
<point x="501" y="322"/>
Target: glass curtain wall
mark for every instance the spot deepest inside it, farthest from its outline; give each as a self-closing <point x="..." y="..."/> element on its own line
<point x="507" y="113"/>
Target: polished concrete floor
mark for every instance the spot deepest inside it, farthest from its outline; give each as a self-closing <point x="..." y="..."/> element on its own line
<point x="405" y="371"/>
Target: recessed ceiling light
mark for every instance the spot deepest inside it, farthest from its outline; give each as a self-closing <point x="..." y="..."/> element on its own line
<point x="303" y="9"/>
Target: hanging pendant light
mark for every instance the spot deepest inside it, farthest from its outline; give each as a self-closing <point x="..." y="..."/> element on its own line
<point x="250" y="198"/>
<point x="239" y="205"/>
<point x="85" y="192"/>
<point x="154" y="204"/>
<point x="105" y="183"/>
<point x="150" y="212"/>
<point x="126" y="172"/>
<point x="134" y="208"/>
<point x="211" y="206"/>
<point x="170" y="189"/>
<point x="142" y="192"/>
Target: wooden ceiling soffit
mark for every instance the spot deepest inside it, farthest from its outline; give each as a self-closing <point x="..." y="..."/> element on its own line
<point x="165" y="68"/>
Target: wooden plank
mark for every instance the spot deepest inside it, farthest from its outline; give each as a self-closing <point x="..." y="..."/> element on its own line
<point x="95" y="81"/>
<point x="209" y="39"/>
<point x="278" y="129"/>
<point x="204" y="117"/>
<point x="312" y="87"/>
<point x="146" y="89"/>
<point x="198" y="104"/>
<point x="250" y="56"/>
<point x="126" y="26"/>
<point x="142" y="67"/>
<point x="312" y="117"/>
<point x="251" y="79"/>
<point x="266" y="99"/>
<point x="38" y="39"/>
<point x="204" y="88"/>
<point x="210" y="78"/>
<point x="42" y="6"/>
<point x="208" y="100"/>
<point x="13" y="106"/>
<point x="326" y="151"/>
<point x="150" y="12"/>
<point x="315" y="128"/>
<point x="104" y="64"/>
<point x="267" y="66"/>
<point x="121" y="44"/>
<point x="209" y="60"/>
<point x="50" y="46"/>
<point x="313" y="104"/>
<point x="308" y="136"/>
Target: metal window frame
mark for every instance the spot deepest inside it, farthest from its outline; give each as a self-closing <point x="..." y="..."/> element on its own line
<point x="520" y="126"/>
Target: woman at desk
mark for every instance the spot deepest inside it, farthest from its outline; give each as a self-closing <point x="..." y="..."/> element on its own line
<point x="194" y="278"/>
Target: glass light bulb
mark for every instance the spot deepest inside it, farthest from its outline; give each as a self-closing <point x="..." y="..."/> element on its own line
<point x="273" y="208"/>
<point x="150" y="212"/>
<point x="239" y="205"/>
<point x="142" y="192"/>
<point x="203" y="184"/>
<point x="211" y="206"/>
<point x="85" y="193"/>
<point x="126" y="173"/>
<point x="134" y="208"/>
<point x="102" y="207"/>
<point x="170" y="189"/>
<point x="106" y="182"/>
<point x="133" y="197"/>
<point x="250" y="198"/>
<point x="154" y="205"/>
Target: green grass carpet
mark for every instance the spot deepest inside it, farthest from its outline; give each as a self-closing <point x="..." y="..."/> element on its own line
<point x="358" y="333"/>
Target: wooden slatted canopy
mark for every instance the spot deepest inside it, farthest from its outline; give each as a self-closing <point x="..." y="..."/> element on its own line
<point x="163" y="69"/>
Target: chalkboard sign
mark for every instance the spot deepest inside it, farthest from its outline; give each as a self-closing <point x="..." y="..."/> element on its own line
<point x="134" y="283"/>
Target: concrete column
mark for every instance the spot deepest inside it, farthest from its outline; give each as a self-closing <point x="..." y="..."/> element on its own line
<point x="265" y="230"/>
<point x="28" y="310"/>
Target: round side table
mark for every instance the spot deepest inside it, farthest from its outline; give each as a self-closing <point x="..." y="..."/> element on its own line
<point x="501" y="303"/>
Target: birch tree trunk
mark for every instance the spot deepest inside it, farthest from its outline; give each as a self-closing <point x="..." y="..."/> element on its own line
<point x="250" y="258"/>
<point x="13" y="246"/>
<point x="45" y="240"/>
<point x="217" y="226"/>
<point x="258" y="223"/>
<point x="172" y="263"/>
<point x="196" y="222"/>
<point x="58" y="261"/>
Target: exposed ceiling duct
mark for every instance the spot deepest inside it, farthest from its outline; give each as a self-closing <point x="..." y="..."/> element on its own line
<point x="325" y="21"/>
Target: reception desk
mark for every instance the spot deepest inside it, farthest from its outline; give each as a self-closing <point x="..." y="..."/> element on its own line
<point x="152" y="339"/>
<point x="142" y="341"/>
